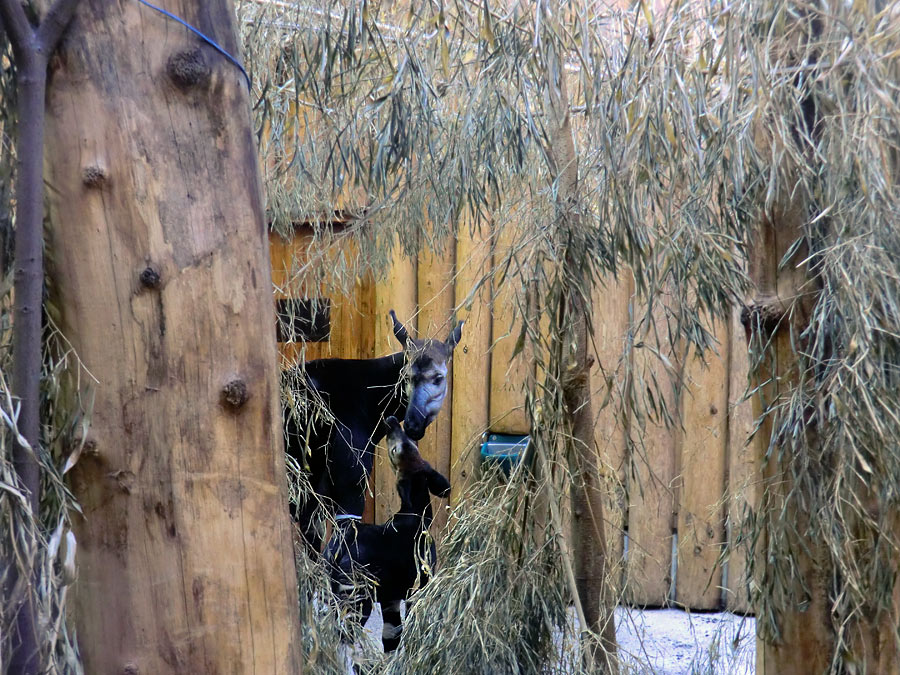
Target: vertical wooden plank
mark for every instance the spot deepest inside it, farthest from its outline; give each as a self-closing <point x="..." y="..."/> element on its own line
<point x="701" y="444"/>
<point x="396" y="291"/>
<point x="279" y="260"/>
<point x="352" y="332"/>
<point x="287" y="256"/>
<point x="611" y="320"/>
<point x="367" y="318"/>
<point x="508" y="376"/>
<point x="743" y="467"/>
<point x="436" y="273"/>
<point x="339" y="344"/>
<point x="472" y="361"/>
<point x="364" y="329"/>
<point x="651" y="479"/>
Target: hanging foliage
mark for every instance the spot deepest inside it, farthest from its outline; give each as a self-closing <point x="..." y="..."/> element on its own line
<point x="415" y="122"/>
<point x="691" y="127"/>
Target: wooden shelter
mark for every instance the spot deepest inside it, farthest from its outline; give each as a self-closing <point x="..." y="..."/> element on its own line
<point x="676" y="495"/>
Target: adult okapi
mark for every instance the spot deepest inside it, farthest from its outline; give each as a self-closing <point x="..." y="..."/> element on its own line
<point x="336" y="449"/>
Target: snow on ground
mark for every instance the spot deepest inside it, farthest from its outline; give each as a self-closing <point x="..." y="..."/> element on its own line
<point x="672" y="642"/>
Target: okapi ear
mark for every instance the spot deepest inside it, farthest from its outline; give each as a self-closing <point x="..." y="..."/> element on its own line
<point x="438" y="485"/>
<point x="455" y="335"/>
<point x="391" y="422"/>
<point x="399" y="329"/>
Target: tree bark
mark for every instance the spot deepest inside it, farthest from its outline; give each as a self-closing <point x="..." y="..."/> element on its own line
<point x="28" y="278"/>
<point x="806" y="639"/>
<point x="159" y="251"/>
<point x="588" y="535"/>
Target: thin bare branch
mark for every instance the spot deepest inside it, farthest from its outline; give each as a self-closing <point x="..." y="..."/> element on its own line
<point x="54" y="24"/>
<point x="18" y="28"/>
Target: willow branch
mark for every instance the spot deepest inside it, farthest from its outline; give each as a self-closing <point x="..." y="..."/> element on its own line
<point x="54" y="24"/>
<point x="18" y="28"/>
<point x="31" y="50"/>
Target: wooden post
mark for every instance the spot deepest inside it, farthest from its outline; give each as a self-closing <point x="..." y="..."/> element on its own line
<point x="185" y="559"/>
<point x="588" y="528"/>
<point x="806" y="639"/>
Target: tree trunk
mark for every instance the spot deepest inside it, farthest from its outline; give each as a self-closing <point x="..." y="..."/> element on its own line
<point x="806" y="639"/>
<point x="158" y="247"/>
<point x="588" y="535"/>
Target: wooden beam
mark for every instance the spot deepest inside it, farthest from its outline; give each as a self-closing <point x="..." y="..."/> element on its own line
<point x="186" y="523"/>
<point x="806" y="639"/>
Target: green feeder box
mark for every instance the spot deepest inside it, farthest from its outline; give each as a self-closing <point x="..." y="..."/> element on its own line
<point x="504" y="450"/>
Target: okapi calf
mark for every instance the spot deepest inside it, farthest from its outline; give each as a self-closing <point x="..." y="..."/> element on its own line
<point x="360" y="394"/>
<point x="394" y="556"/>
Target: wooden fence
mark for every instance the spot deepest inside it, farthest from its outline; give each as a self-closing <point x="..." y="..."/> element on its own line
<point x="675" y="501"/>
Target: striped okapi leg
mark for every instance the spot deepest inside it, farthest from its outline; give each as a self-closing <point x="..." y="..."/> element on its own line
<point x="393" y="626"/>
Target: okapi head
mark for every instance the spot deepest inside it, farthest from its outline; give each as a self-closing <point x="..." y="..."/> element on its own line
<point x="426" y="376"/>
<point x="415" y="477"/>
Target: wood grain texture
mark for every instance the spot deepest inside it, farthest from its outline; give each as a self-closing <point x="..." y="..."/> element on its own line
<point x="743" y="468"/>
<point x="352" y="319"/>
<point x="509" y="375"/>
<point x="651" y="498"/>
<point x="396" y="291"/>
<point x="611" y="324"/>
<point x="436" y="289"/>
<point x="702" y="445"/>
<point x="806" y="640"/>
<point x="471" y="359"/>
<point x="185" y="558"/>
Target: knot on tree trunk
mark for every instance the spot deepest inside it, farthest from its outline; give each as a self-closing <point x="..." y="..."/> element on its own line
<point x="577" y="375"/>
<point x="235" y="394"/>
<point x="188" y="70"/>
<point x="150" y="277"/>
<point x="765" y="314"/>
<point x="93" y="176"/>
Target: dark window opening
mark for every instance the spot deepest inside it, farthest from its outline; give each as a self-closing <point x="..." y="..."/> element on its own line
<point x="303" y="319"/>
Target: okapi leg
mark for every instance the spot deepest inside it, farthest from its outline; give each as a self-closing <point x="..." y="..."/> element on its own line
<point x="393" y="625"/>
<point x="308" y="517"/>
<point x="348" y="472"/>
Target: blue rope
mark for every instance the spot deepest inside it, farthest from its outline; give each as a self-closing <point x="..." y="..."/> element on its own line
<point x="212" y="43"/>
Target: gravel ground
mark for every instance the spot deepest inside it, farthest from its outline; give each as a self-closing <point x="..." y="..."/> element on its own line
<point x="672" y="642"/>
